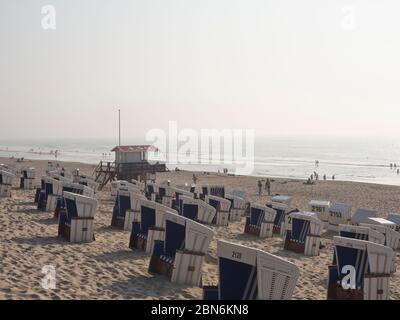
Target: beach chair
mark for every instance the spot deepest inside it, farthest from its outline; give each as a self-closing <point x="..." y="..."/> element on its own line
<point x="6" y="180"/>
<point x="213" y="190"/>
<point x="122" y="204"/>
<point x="387" y="228"/>
<point x="361" y="233"/>
<point x="196" y="209"/>
<point x="122" y="185"/>
<point x="395" y="218"/>
<point x="286" y="200"/>
<point x="176" y="202"/>
<point x="165" y="195"/>
<point x="305" y="234"/>
<point x="148" y="225"/>
<point x="339" y="213"/>
<point x="89" y="182"/>
<point x="238" y="207"/>
<point x="56" y="193"/>
<point x="280" y="217"/>
<point x="76" y="223"/>
<point x="151" y="191"/>
<point x="321" y="208"/>
<point x="133" y="213"/>
<point x="8" y="168"/>
<point x="360" y="270"/>
<point x="73" y="188"/>
<point x="186" y="187"/>
<point x="139" y="184"/>
<point x="27" y="180"/>
<point x="222" y="207"/>
<point x="179" y="255"/>
<point x="43" y="193"/>
<point x="261" y="221"/>
<point x="362" y="216"/>
<point x="251" y="274"/>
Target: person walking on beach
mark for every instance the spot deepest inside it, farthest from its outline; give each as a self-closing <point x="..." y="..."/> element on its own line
<point x="333" y="177"/>
<point x="259" y="187"/>
<point x="194" y="178"/>
<point x="268" y="186"/>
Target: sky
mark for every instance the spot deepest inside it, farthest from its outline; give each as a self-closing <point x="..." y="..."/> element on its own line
<point x="279" y="67"/>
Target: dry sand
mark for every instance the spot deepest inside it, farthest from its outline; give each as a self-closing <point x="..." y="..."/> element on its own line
<point x="108" y="269"/>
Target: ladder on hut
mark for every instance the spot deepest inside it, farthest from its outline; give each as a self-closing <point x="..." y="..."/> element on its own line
<point x="104" y="173"/>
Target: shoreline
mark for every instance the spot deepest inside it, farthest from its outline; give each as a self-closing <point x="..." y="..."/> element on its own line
<point x="80" y="164"/>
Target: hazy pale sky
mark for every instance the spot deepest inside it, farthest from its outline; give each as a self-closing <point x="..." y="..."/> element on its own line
<point x="307" y="67"/>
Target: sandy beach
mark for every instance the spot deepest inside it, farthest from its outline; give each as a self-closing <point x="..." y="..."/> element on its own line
<point x="108" y="269"/>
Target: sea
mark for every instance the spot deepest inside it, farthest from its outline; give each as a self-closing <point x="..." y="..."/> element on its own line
<point x="348" y="159"/>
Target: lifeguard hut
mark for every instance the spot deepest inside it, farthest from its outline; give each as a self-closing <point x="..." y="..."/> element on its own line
<point x="131" y="162"/>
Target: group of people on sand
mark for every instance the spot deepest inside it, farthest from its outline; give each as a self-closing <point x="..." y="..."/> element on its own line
<point x="267" y="186"/>
<point x="394" y="166"/>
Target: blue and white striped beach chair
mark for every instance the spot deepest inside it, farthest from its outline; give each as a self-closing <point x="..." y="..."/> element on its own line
<point x="251" y="274"/>
<point x="238" y="207"/>
<point x="305" y="234"/>
<point x="222" y="207"/>
<point x="196" y="209"/>
<point x="76" y="223"/>
<point x="281" y="211"/>
<point x="261" y="221"/>
<point x="6" y="180"/>
<point x="148" y="225"/>
<point x="180" y="254"/>
<point x="360" y="270"/>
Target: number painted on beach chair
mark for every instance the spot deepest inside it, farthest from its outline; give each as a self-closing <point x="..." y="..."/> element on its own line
<point x="236" y="255"/>
<point x="349" y="280"/>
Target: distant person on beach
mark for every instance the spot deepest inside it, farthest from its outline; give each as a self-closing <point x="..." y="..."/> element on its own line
<point x="333" y="177"/>
<point x="324" y="177"/>
<point x="316" y="163"/>
<point x="268" y="186"/>
<point x="311" y="177"/>
<point x="194" y="178"/>
<point x="259" y="187"/>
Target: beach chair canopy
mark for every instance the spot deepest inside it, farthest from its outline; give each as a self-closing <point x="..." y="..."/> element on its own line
<point x="214" y="190"/>
<point x="381" y="221"/>
<point x="340" y="207"/>
<point x="361" y="215"/>
<point x="282" y="199"/>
